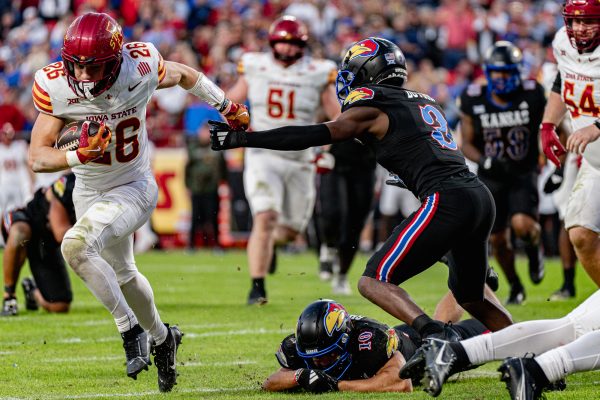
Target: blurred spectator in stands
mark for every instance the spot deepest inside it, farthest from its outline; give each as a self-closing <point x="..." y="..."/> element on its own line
<point x="53" y="10"/>
<point x="455" y="18"/>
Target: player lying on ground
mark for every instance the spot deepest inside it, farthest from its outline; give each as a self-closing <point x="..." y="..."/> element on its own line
<point x="333" y="350"/>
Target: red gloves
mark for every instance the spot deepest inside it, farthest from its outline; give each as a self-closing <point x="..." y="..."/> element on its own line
<point x="237" y="116"/>
<point x="92" y="147"/>
<point x="550" y="144"/>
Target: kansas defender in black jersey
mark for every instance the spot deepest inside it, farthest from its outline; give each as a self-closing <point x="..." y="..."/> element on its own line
<point x="35" y="232"/>
<point x="499" y="125"/>
<point x="333" y="350"/>
<point x="410" y="137"/>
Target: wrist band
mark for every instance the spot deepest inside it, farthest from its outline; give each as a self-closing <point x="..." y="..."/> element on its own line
<point x="206" y="90"/>
<point x="73" y="159"/>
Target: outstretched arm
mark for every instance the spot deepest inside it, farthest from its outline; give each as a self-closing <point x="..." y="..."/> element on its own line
<point x="350" y="124"/>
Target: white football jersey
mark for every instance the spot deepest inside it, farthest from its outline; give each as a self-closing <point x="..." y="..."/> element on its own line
<point x="282" y="96"/>
<point x="15" y="179"/>
<point x="580" y="91"/>
<point x="122" y="108"/>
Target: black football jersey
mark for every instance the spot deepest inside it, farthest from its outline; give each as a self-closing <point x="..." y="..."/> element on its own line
<point x="371" y="345"/>
<point x="418" y="146"/>
<point x="508" y="133"/>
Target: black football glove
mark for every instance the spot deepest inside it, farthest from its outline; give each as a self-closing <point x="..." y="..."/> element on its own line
<point x="554" y="181"/>
<point x="394" y="180"/>
<point x="222" y="137"/>
<point x="315" y="381"/>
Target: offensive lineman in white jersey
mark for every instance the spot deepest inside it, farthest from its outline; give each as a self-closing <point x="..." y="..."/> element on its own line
<point x="570" y="344"/>
<point x="104" y="80"/>
<point x="283" y="88"/>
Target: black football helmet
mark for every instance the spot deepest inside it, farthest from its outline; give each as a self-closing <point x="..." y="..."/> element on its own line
<point x="370" y="61"/>
<point x="322" y="336"/>
<point x="503" y="56"/>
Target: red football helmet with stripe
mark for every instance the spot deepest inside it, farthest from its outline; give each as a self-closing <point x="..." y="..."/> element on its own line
<point x="288" y="29"/>
<point x="93" y="39"/>
<point x="588" y="13"/>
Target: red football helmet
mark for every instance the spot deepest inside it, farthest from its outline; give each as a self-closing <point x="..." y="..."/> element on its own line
<point x="583" y="10"/>
<point x="93" y="39"/>
<point x="289" y="30"/>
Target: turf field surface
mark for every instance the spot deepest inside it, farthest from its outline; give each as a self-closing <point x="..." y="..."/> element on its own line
<point x="228" y="347"/>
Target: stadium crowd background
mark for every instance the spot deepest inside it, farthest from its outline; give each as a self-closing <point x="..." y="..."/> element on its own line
<point x="442" y="40"/>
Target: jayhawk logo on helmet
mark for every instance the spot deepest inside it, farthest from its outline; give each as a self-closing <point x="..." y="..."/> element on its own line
<point x="361" y="93"/>
<point x="364" y="48"/>
<point x="335" y="317"/>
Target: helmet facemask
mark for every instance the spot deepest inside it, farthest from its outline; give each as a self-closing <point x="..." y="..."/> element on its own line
<point x="91" y="89"/>
<point x="288" y="29"/>
<point x="334" y="360"/>
<point x="92" y="40"/>
<point x="503" y="85"/>
<point x="343" y="85"/>
<point x="586" y="39"/>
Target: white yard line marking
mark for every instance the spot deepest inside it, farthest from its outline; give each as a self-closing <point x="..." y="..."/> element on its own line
<point x="218" y="363"/>
<point x="115" y="338"/>
<point x="149" y="393"/>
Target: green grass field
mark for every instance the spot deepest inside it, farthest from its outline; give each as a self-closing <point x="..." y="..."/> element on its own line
<point x="228" y="347"/>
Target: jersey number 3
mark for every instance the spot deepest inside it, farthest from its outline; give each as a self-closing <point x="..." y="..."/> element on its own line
<point x="435" y="119"/>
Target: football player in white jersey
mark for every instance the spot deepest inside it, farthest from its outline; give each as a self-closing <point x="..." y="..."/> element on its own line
<point x="15" y="175"/>
<point x="105" y="80"/>
<point x="577" y="90"/>
<point x="569" y="344"/>
<point x="283" y="87"/>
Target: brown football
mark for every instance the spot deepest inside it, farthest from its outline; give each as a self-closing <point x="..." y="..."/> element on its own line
<point x="68" y="139"/>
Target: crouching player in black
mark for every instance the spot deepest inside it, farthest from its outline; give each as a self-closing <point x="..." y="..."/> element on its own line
<point x="499" y="124"/>
<point x="410" y="137"/>
<point x="35" y="232"/>
<point x="333" y="350"/>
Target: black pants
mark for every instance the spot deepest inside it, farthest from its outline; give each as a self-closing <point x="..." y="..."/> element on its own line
<point x="519" y="195"/>
<point x="344" y="202"/>
<point x="45" y="258"/>
<point x="205" y="207"/>
<point x="458" y="221"/>
<point x="49" y="271"/>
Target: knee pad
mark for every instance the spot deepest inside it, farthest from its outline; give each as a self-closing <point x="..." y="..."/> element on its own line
<point x="126" y="275"/>
<point x="74" y="251"/>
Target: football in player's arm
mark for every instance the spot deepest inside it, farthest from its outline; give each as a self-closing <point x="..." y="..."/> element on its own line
<point x="43" y="157"/>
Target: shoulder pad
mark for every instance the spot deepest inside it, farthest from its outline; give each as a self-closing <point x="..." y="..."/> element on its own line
<point x="474" y="90"/>
<point x="146" y="59"/>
